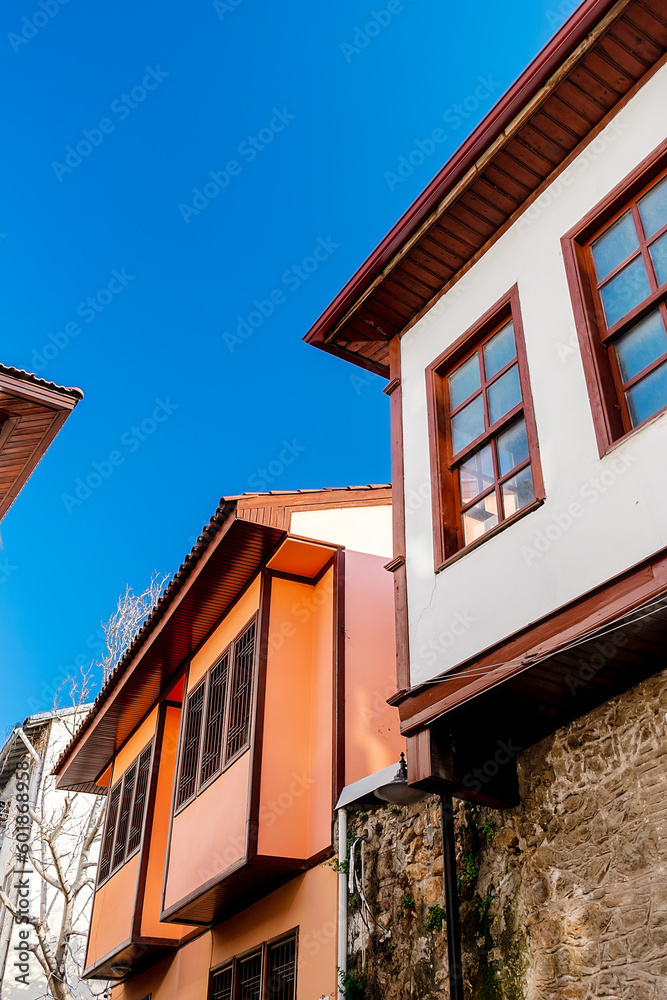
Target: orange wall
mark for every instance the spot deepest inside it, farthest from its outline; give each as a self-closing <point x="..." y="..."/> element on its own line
<point x="308" y="902"/>
<point x="228" y="630"/>
<point x="210" y="833"/>
<point x="183" y="976"/>
<point x="113" y="905"/>
<point x="151" y="926"/>
<point x="295" y="788"/>
<point x="111" y="921"/>
<point x="372" y="735"/>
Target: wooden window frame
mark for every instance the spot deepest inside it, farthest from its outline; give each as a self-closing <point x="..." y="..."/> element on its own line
<point x="121" y="785"/>
<point x="225" y="761"/>
<point x="448" y="540"/>
<point x="608" y="406"/>
<point x="264" y="950"/>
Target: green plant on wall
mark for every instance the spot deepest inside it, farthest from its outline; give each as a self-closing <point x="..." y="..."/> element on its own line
<point x="351" y="985"/>
<point x="408" y="901"/>
<point x="435" y="918"/>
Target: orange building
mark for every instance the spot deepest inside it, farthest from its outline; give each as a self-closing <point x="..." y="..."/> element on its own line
<point x="252" y="696"/>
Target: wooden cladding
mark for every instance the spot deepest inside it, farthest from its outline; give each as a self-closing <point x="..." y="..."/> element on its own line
<point x="217" y="717"/>
<point x="267" y="973"/>
<point x="125" y="815"/>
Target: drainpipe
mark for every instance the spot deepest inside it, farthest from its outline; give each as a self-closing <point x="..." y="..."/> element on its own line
<point x="451" y="899"/>
<point x="342" y="899"/>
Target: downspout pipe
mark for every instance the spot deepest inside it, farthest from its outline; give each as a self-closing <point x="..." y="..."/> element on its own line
<point x="451" y="898"/>
<point x="342" y="900"/>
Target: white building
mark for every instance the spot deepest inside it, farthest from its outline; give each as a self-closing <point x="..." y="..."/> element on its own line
<point x="26" y="761"/>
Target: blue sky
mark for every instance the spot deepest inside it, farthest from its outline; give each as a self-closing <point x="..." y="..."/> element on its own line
<point x="168" y="172"/>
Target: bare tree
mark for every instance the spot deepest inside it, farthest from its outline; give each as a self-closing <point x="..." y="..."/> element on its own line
<point x="131" y="612"/>
<point x="66" y="827"/>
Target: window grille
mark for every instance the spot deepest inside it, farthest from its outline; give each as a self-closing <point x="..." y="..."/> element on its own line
<point x="190" y="754"/>
<point x="124" y="817"/>
<point x="282" y="970"/>
<point x="250" y="977"/>
<point x="239" y="724"/>
<point x="221" y="984"/>
<point x="140" y="795"/>
<point x="215" y="719"/>
<point x="105" y="859"/>
<point x="4" y="811"/>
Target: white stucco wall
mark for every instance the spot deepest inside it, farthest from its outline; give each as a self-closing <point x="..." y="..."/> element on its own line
<point x="507" y="583"/>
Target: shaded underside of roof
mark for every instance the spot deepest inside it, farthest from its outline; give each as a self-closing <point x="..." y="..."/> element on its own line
<point x="573" y="86"/>
<point x="233" y="546"/>
<point x="32" y="411"/>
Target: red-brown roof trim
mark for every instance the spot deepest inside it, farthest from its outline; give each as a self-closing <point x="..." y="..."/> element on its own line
<point x="359" y="290"/>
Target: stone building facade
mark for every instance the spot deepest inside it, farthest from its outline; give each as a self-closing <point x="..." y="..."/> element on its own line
<point x="563" y="897"/>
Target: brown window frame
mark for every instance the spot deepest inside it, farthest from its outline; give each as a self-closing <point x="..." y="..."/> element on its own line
<point x="112" y="828"/>
<point x="448" y="540"/>
<point x="264" y="951"/>
<point x="608" y="405"/>
<point x="226" y="760"/>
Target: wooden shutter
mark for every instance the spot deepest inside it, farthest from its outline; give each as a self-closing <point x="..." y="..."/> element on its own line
<point x="211" y="760"/>
<point x="221" y="984"/>
<point x="282" y="970"/>
<point x="187" y="778"/>
<point x="250" y="977"/>
<point x="140" y="796"/>
<point x="239" y="723"/>
<point x="107" y="845"/>
<point x="119" y="850"/>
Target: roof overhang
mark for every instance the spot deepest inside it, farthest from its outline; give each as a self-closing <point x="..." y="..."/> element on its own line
<point x="594" y="63"/>
<point x="226" y="558"/>
<point x="32" y="411"/>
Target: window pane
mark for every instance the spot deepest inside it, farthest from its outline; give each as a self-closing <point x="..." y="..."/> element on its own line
<point x="504" y="394"/>
<point x="221" y="984"/>
<point x="250" y="977"/>
<point x="282" y="970"/>
<point x="464" y="381"/>
<point x="241" y="696"/>
<point x="512" y="447"/>
<point x="480" y="518"/>
<point x="648" y="396"/>
<point x="500" y="350"/>
<point x="518" y="491"/>
<point x="625" y="291"/>
<point x="653" y="208"/>
<point x="468" y="424"/>
<point x="610" y="249"/>
<point x="658" y="253"/>
<point x="476" y="474"/>
<point x="641" y="345"/>
<point x="187" y="779"/>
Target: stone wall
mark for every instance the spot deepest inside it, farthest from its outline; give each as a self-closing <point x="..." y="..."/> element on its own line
<point x="562" y="898"/>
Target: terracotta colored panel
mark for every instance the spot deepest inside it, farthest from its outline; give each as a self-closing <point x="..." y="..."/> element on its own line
<point x="300" y="558"/>
<point x="227" y="631"/>
<point x="151" y="926"/>
<point x="309" y="903"/>
<point x="111" y="920"/>
<point x="134" y="745"/>
<point x="372" y="733"/>
<point x="209" y="834"/>
<point x="183" y="975"/>
<point x="297" y="740"/>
